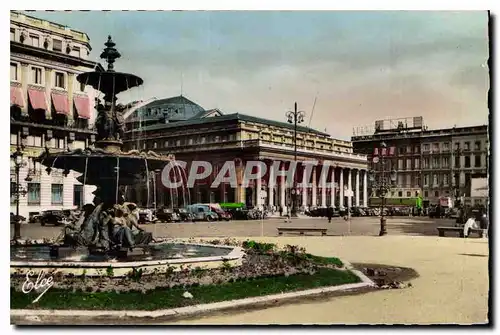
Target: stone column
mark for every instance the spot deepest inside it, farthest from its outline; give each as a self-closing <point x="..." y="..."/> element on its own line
<point x="357" y="188"/>
<point x="258" y="189"/>
<point x="270" y="186"/>
<point x="304" y="187"/>
<point x="282" y="191"/>
<point x="324" y="175"/>
<point x="332" y="189"/>
<point x="365" y="188"/>
<point x="341" y="188"/>
<point x="314" y="187"/>
<point x="349" y="187"/>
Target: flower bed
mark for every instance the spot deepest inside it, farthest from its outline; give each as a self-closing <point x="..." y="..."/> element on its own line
<point x="265" y="270"/>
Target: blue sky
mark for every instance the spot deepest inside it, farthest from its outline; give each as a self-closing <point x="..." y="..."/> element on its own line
<point x="360" y="66"/>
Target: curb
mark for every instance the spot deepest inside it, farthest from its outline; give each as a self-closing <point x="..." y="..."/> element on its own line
<point x="34" y="315"/>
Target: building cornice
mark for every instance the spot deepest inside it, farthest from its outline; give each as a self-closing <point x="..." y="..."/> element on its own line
<point x="56" y="58"/>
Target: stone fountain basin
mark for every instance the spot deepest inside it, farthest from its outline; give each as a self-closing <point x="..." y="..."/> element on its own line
<point x="156" y="258"/>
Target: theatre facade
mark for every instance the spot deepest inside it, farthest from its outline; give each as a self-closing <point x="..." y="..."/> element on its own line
<point x="184" y="129"/>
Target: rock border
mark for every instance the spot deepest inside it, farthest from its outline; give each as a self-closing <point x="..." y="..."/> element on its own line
<point x="34" y="316"/>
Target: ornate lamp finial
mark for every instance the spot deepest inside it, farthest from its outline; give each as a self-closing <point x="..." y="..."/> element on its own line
<point x="110" y="53"/>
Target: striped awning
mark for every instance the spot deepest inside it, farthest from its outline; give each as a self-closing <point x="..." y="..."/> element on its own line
<point x="61" y="104"/>
<point x="37" y="99"/>
<point x="16" y="96"/>
<point x="82" y="105"/>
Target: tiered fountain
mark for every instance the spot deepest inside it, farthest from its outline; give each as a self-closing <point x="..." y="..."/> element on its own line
<point x="98" y="241"/>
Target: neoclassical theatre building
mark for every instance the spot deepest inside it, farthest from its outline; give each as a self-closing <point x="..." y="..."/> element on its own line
<point x="181" y="127"/>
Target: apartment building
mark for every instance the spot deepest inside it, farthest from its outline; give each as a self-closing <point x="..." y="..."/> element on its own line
<point x="434" y="163"/>
<point x="49" y="108"/>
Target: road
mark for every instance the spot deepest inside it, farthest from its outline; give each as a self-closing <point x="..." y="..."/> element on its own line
<point x="361" y="226"/>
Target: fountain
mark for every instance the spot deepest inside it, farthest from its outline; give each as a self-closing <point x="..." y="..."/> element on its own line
<point x="106" y="234"/>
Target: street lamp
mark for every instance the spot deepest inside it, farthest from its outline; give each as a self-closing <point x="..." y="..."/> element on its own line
<point x="295" y="117"/>
<point x="382" y="185"/>
<point x="17" y="157"/>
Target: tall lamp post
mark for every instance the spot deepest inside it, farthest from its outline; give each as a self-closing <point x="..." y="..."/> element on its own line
<point x="295" y="117"/>
<point x="382" y="183"/>
<point x="17" y="157"/>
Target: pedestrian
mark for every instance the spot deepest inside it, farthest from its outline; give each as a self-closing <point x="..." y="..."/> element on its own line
<point x="329" y="213"/>
<point x="281" y="211"/>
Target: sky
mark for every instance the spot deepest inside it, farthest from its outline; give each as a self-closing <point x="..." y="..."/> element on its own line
<point x="344" y="69"/>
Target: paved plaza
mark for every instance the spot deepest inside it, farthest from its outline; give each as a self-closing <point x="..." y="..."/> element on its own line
<point x="452" y="286"/>
<point x="365" y="226"/>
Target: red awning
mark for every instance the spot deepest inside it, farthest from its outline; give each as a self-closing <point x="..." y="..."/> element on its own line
<point x="61" y="103"/>
<point x="82" y="106"/>
<point x="37" y="99"/>
<point x="16" y="96"/>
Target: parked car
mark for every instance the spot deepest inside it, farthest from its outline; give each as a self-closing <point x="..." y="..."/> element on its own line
<point x="52" y="217"/>
<point x="202" y="213"/>
<point x="222" y="214"/>
<point x="167" y="215"/>
<point x="147" y="216"/>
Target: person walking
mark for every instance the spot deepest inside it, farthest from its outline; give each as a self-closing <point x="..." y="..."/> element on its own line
<point x="329" y="213"/>
<point x="281" y="211"/>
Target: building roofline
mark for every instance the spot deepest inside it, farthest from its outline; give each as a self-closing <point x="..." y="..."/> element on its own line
<point x="52" y="22"/>
<point x="429" y="132"/>
<point x="228" y="117"/>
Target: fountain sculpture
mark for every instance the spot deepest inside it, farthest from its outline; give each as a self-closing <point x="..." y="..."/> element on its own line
<point x="110" y="223"/>
<point x="106" y="234"/>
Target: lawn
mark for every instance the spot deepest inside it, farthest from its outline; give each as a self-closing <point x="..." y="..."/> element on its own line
<point x="162" y="298"/>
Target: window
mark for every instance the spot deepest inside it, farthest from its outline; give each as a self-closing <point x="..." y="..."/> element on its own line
<point x="446" y="179"/>
<point x="30" y="141"/>
<point x="457" y="145"/>
<point x="408" y="194"/>
<point x="426" y="147"/>
<point x="467" y="146"/>
<point x="477" y="145"/>
<point x="426" y="194"/>
<point x="165" y="145"/>
<point x="425" y="163"/>
<point x="400" y="180"/>
<point x="35" y="41"/>
<point x="178" y="143"/>
<point x="408" y="149"/>
<point x="13" y="138"/>
<point x="408" y="164"/>
<point x="401" y="150"/>
<point x="37" y="141"/>
<point x="457" y="161"/>
<point x="435" y="163"/>
<point x="155" y="145"/>
<point x="416" y="193"/>
<point x="57" y="194"/>
<point x="36" y="75"/>
<point x="446" y="162"/>
<point x="59" y="80"/>
<point x="57" y="45"/>
<point x="12" y="34"/>
<point x="446" y="145"/>
<point x="78" y="195"/>
<point x="13" y="71"/>
<point x="400" y="194"/>
<point x="75" y="51"/>
<point x="477" y="161"/>
<point x="400" y="164"/>
<point x="417" y="164"/>
<point x="436" y="193"/>
<point x="435" y="146"/>
<point x="435" y="179"/>
<point x="467" y="162"/>
<point x="417" y="181"/>
<point x="408" y="180"/>
<point x="417" y="149"/>
<point x="33" y="193"/>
